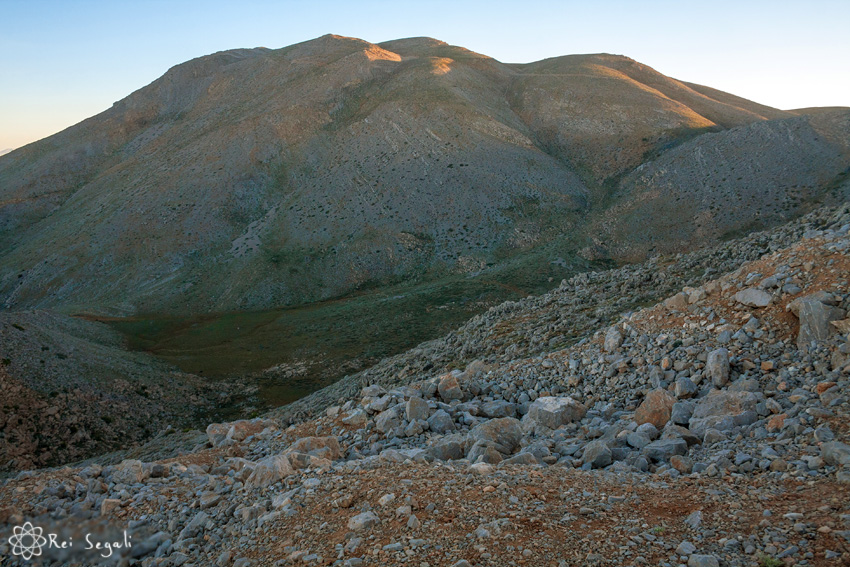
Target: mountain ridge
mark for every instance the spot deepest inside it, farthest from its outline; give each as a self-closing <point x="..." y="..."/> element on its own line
<point x="288" y="164"/>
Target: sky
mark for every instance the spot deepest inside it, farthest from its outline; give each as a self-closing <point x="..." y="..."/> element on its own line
<point x="62" y="61"/>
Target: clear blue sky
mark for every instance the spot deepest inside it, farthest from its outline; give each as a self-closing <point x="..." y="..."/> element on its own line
<point x="65" y="60"/>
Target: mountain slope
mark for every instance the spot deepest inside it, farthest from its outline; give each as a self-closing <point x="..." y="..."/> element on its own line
<point x="255" y="178"/>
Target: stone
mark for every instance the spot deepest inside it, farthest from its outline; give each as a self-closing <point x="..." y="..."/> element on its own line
<point x="373" y="391"/>
<point x="322" y="447"/>
<point x="842" y="326"/>
<point x="198" y="523"/>
<point x="217" y="433"/>
<point x="441" y="422"/>
<point x="835" y="453"/>
<point x="553" y="412"/>
<point x="682" y="412"/>
<point x="613" y="339"/>
<point x="209" y="500"/>
<point x="449" y="388"/>
<point x="414" y="428"/>
<point x="270" y="470"/>
<point x="717" y="367"/>
<point x="678" y="302"/>
<point x="130" y="471"/>
<point x="387" y="420"/>
<point x="685" y="388"/>
<point x="597" y="454"/>
<point x="484" y="452"/>
<point x="684" y="465"/>
<point x="723" y="410"/>
<point x="304" y="461"/>
<point x="824" y="387"/>
<point x="244" y="428"/>
<point x="694" y="519"/>
<point x="703" y="561"/>
<point x="647" y="430"/>
<point x="402" y="455"/>
<point x="447" y="448"/>
<point x="656" y="408"/>
<point x="776" y="422"/>
<point x="504" y="432"/>
<point x="663" y="449"/>
<point x="417" y="409"/>
<point x="108" y="505"/>
<point x="498" y="408"/>
<point x="673" y="431"/>
<point x="357" y="417"/>
<point x="159" y="470"/>
<point x="637" y="440"/>
<point x="815" y="318"/>
<point x="685" y="548"/>
<point x="696" y="295"/>
<point x="363" y="522"/>
<point x="484" y="469"/>
<point x="521" y="459"/>
<point x="753" y="297"/>
<point x="712" y="436"/>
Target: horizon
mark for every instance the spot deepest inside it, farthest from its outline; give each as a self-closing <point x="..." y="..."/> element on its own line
<point x="73" y="62"/>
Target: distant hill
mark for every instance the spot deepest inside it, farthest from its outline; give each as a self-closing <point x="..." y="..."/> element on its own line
<point x="254" y="178"/>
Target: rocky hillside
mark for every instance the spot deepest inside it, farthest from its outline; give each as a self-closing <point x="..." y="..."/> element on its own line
<point x="72" y="391"/>
<point x="255" y="178"/>
<point x="565" y="315"/>
<point x="710" y="429"/>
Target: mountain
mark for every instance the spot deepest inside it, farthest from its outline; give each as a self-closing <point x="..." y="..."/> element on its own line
<point x="708" y="429"/>
<point x="255" y="178"/>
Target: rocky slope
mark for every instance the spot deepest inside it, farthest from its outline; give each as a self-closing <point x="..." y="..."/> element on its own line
<point x="256" y="178"/>
<point x="565" y="315"/>
<point x="72" y="391"/>
<point x="709" y="429"/>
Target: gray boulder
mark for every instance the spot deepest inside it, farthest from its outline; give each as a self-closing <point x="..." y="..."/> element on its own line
<point x="521" y="459"/>
<point x="663" y="449"/>
<point x="685" y="388"/>
<point x="597" y="454"/>
<point x="637" y="440"/>
<point x="270" y="470"/>
<point x="703" y="561"/>
<point x="387" y="420"/>
<point x="498" y="408"/>
<point x="448" y="448"/>
<point x="717" y="367"/>
<point x="753" y="297"/>
<point x="484" y="452"/>
<point x="441" y="422"/>
<point x="363" y="522"/>
<point x="723" y="410"/>
<point x="553" y="412"/>
<point x="835" y="453"/>
<point x="417" y="408"/>
<point x="682" y="412"/>
<point x="815" y="317"/>
<point x="613" y="339"/>
<point x="449" y="388"/>
<point x="505" y="433"/>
